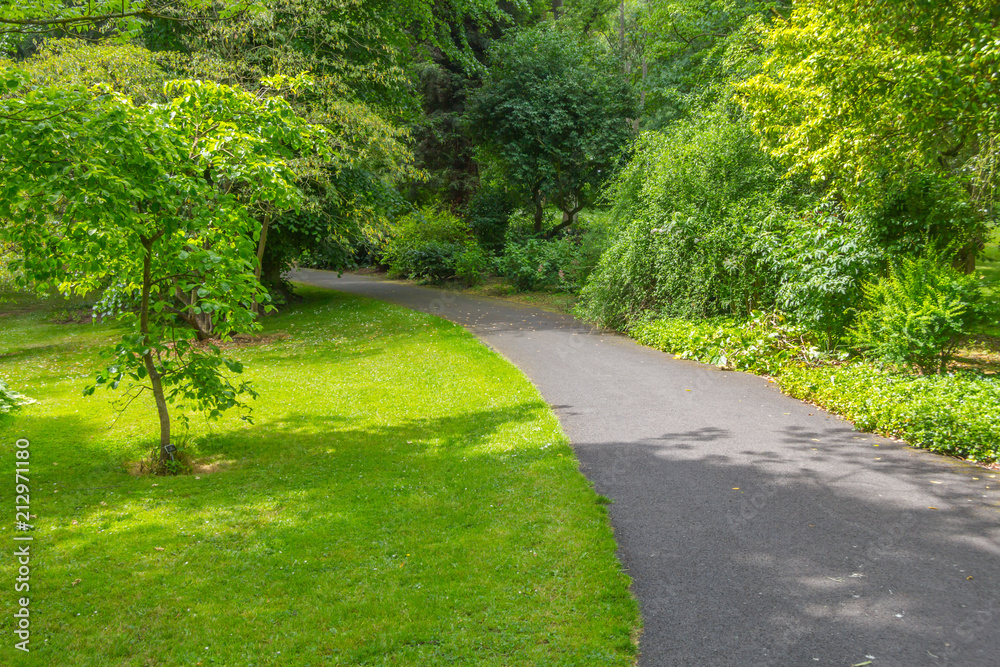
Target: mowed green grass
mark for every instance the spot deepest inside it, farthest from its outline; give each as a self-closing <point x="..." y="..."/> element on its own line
<point x="404" y="497"/>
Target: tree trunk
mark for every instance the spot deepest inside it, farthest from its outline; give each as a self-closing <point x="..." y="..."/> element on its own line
<point x="965" y="260"/>
<point x="154" y="376"/>
<point x="539" y="211"/>
<point x="621" y="28"/>
<point x="261" y="244"/>
<point x="556" y="6"/>
<point x="569" y="217"/>
<point x="200" y="322"/>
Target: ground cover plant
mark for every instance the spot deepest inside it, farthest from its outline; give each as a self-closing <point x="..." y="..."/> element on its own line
<point x="957" y="414"/>
<point x="404" y="497"/>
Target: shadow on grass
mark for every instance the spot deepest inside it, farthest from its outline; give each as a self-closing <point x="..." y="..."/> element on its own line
<point x="314" y="435"/>
<point x="421" y="542"/>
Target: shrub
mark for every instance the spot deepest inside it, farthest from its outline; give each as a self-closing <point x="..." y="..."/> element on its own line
<point x="954" y="414"/>
<point x="471" y="265"/>
<point x="430" y="261"/>
<point x="430" y="245"/>
<point x="488" y="214"/>
<point x="690" y="209"/>
<point x="823" y="259"/>
<point x="918" y="313"/>
<point x="536" y="263"/>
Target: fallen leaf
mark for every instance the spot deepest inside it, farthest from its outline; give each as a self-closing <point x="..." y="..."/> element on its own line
<point x="932" y="508"/>
<point x="158" y="548"/>
<point x="75" y="582"/>
<point x="968" y="578"/>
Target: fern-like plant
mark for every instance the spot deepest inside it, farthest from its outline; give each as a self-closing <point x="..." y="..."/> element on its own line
<point x="918" y="313"/>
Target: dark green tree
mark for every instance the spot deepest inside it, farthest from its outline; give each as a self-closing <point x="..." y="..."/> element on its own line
<point x="553" y="116"/>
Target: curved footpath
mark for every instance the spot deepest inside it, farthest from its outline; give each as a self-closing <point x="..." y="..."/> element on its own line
<point x="757" y="529"/>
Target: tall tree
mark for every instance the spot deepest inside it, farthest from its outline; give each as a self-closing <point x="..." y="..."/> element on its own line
<point x="360" y="55"/>
<point x="553" y="116"/>
<point x="888" y="101"/>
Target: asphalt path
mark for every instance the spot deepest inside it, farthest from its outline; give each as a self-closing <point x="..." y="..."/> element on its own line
<point x="757" y="529"/>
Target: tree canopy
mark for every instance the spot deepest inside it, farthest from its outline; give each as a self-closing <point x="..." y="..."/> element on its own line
<point x="150" y="204"/>
<point x="554" y="114"/>
<point x="867" y="97"/>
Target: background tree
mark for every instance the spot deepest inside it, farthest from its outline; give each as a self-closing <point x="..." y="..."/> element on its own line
<point x="360" y="56"/>
<point x="553" y="117"/>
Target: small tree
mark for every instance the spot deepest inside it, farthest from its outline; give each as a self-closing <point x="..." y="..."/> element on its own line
<point x="553" y="115"/>
<point x="101" y="194"/>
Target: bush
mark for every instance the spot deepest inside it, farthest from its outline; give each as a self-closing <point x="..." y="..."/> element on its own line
<point x="690" y="209"/>
<point x="823" y="259"/>
<point x="488" y="214"/>
<point x="472" y="265"/>
<point x="536" y="263"/>
<point x="918" y="313"/>
<point x="430" y="261"/>
<point x="433" y="245"/>
<point x="954" y="414"/>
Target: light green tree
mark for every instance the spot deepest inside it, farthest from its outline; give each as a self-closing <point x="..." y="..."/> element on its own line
<point x="99" y="193"/>
<point x="874" y="98"/>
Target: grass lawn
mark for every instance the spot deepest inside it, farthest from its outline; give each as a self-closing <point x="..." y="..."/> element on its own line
<point x="405" y="497"/>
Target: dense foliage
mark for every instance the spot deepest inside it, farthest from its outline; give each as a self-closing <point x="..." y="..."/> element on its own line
<point x="918" y="313"/>
<point x="150" y="205"/>
<point x="552" y="117"/>
<point x="433" y="245"/>
<point x="876" y="99"/>
<point x="764" y="343"/>
<point x="693" y="207"/>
